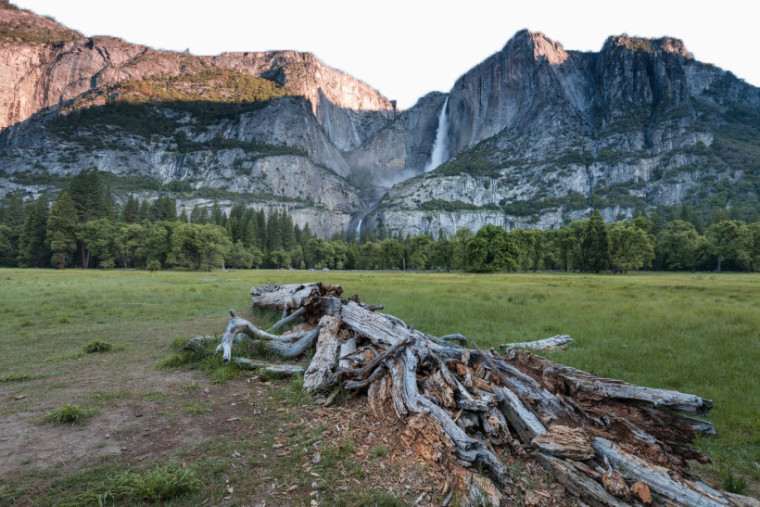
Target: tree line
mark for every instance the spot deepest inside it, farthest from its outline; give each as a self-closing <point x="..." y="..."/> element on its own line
<point x="85" y="228"/>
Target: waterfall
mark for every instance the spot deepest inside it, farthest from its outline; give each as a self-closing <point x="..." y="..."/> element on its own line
<point x="438" y="156"/>
<point x="359" y="229"/>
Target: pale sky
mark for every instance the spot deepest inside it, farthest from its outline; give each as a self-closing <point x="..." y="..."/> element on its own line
<point x="406" y="49"/>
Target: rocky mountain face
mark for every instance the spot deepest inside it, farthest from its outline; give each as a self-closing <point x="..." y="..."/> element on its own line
<point x="47" y="71"/>
<point x="539" y="136"/>
<point x="534" y="136"/>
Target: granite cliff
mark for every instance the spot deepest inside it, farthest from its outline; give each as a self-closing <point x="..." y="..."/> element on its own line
<point x="533" y="136"/>
<point x="537" y="136"/>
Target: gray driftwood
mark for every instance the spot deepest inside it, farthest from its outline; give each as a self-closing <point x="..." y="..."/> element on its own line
<point x="560" y="341"/>
<point x="470" y="407"/>
<point x="284" y="370"/>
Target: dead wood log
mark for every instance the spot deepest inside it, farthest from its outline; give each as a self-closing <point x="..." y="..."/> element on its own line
<point x="560" y="341"/>
<point x="238" y="325"/>
<point x="320" y="375"/>
<point x="581" y="382"/>
<point x="287" y="319"/>
<point x="578" y="482"/>
<point x="660" y="480"/>
<point x="285" y="297"/>
<point x="462" y="406"/>
<point x="284" y="370"/>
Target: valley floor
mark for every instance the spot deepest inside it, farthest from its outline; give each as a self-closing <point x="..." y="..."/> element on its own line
<point x="250" y="439"/>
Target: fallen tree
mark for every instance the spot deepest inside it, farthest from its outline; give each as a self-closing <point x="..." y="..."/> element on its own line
<point x="608" y="442"/>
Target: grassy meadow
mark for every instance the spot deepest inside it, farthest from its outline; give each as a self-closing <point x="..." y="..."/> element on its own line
<point x="696" y="333"/>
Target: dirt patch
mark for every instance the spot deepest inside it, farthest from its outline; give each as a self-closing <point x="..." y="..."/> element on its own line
<point x="257" y="442"/>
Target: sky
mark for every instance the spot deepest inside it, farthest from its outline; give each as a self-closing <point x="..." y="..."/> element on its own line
<point x="407" y="48"/>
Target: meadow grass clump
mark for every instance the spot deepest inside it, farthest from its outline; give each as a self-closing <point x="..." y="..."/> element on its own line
<point x="17" y="377"/>
<point x="8" y="495"/>
<point x="69" y="414"/>
<point x="190" y="353"/>
<point x="97" y="346"/>
<point x="222" y="374"/>
<point x="198" y="354"/>
<point x="159" y="484"/>
<point x="294" y="393"/>
<point x="733" y="483"/>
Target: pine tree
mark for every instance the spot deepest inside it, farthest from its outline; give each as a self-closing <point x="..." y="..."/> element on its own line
<point x="88" y="195"/>
<point x="13" y="216"/>
<point x="306" y="235"/>
<point x="33" y="252"/>
<point x="261" y="230"/>
<point x="217" y="215"/>
<point x="595" y="244"/>
<point x="286" y="232"/>
<point x="61" y="226"/>
<point x="130" y="213"/>
<point x="143" y="212"/>
<point x="166" y="209"/>
<point x="249" y="235"/>
<point x="274" y="232"/>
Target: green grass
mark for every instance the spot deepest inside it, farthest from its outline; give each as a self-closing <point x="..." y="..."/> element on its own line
<point x="696" y="333"/>
<point x="69" y="414"/>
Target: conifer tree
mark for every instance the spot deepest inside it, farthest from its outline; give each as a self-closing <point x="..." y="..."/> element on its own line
<point x="131" y="210"/>
<point x="287" y="233"/>
<point x="12" y="216"/>
<point x="595" y="244"/>
<point x="274" y="232"/>
<point x="261" y="230"/>
<point x="88" y="195"/>
<point x="33" y="252"/>
<point x="61" y="226"/>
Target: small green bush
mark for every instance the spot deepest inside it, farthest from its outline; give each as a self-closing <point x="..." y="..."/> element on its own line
<point x="97" y="346"/>
<point x="69" y="414"/>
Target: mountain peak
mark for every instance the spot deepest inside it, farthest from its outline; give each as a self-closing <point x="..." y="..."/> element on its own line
<point x="541" y="46"/>
<point x="653" y="45"/>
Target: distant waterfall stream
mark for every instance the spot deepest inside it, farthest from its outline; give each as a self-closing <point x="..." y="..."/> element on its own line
<point x="358" y="234"/>
<point x="438" y="155"/>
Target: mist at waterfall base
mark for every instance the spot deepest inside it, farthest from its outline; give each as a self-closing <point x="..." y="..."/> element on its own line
<point x="438" y="154"/>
